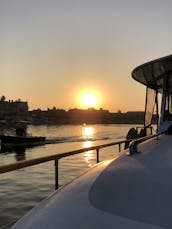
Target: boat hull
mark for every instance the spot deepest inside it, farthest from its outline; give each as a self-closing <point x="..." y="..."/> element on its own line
<point x="121" y="193"/>
<point x="6" y="140"/>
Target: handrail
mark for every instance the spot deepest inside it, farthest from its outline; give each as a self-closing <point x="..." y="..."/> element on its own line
<point x="56" y="158"/>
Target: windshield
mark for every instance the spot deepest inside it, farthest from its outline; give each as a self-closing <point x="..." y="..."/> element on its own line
<point x="168" y="100"/>
<point x="149" y="108"/>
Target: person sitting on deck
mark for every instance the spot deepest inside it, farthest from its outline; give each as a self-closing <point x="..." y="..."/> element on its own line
<point x="142" y="133"/>
<point x="132" y="134"/>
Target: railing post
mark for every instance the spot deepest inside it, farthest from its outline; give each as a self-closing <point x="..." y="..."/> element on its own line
<point x="56" y="173"/>
<point x="97" y="152"/>
<point x="119" y="147"/>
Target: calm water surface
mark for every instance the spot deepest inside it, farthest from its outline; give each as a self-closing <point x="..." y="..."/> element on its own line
<point x="22" y="189"/>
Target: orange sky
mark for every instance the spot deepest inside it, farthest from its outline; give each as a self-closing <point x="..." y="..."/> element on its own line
<point x="51" y="51"/>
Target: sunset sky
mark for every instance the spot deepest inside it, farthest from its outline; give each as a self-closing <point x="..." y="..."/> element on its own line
<point x="53" y="51"/>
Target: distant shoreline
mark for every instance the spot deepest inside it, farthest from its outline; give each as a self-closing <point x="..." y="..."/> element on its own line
<point x="15" y="112"/>
<point x="89" y="116"/>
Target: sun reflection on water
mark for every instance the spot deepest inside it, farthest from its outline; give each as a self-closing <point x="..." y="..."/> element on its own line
<point x="89" y="156"/>
<point x="88" y="131"/>
<point x="87" y="144"/>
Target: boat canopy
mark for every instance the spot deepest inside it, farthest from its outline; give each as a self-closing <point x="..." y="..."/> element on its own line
<point x="152" y="73"/>
<point x="156" y="75"/>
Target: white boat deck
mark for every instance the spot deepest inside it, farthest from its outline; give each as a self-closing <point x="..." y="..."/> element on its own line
<point x="126" y="192"/>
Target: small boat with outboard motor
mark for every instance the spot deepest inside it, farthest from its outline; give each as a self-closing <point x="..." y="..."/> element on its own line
<point x="20" y="139"/>
<point x="132" y="190"/>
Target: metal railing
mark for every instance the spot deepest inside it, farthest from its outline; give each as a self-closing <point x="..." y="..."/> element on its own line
<point x="56" y="158"/>
<point x="134" y="143"/>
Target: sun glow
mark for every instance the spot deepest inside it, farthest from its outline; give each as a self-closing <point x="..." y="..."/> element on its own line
<point x="89" y="100"/>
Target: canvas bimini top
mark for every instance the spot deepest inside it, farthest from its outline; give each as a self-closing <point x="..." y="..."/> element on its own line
<point x="152" y="74"/>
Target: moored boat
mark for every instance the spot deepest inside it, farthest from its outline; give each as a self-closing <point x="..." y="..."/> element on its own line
<point x="9" y="139"/>
<point x="16" y="143"/>
<point x="131" y="192"/>
<point x="20" y="139"/>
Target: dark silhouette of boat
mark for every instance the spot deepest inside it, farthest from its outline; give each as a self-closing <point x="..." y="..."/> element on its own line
<point x="21" y="139"/>
<point x="9" y="140"/>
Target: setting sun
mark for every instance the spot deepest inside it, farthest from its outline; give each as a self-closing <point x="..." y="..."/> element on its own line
<point x="89" y="100"/>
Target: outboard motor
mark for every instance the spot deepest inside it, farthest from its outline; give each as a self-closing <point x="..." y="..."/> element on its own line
<point x="21" y="131"/>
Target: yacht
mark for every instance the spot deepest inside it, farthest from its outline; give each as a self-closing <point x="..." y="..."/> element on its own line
<point x="133" y="189"/>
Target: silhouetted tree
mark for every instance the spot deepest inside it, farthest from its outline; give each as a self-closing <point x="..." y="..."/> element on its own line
<point x="3" y="98"/>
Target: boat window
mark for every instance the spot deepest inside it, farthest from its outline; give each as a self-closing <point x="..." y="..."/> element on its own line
<point x="149" y="108"/>
<point x="168" y="100"/>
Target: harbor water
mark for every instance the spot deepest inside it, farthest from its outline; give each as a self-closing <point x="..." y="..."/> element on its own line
<point x="22" y="189"/>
